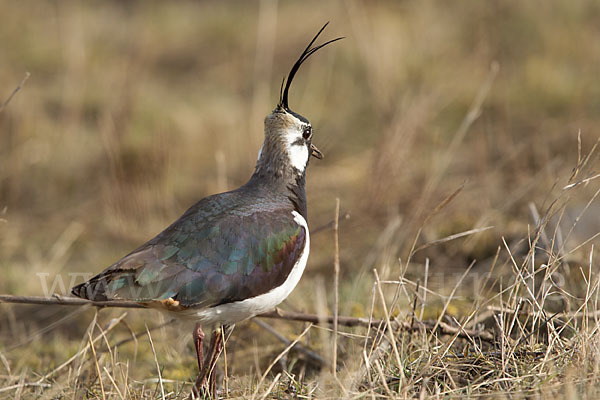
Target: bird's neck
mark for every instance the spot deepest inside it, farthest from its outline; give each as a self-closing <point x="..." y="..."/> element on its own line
<point x="274" y="173"/>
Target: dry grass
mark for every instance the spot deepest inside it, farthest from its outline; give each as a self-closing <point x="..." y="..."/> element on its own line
<point x="438" y="121"/>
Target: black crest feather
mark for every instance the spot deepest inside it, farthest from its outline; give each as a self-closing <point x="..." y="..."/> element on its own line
<point x="308" y="51"/>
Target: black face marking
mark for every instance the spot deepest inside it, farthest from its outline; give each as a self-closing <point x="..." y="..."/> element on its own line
<point x="299" y="142"/>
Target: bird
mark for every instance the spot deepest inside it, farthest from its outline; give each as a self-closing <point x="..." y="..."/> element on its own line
<point x="232" y="255"/>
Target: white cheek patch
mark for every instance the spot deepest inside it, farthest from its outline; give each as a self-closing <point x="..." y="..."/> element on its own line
<point x="297" y="153"/>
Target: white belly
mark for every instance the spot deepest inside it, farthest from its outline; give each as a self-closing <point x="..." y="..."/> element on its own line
<point x="230" y="313"/>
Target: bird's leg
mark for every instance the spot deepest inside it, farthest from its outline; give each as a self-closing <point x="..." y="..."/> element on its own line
<point x="199" y="342"/>
<point x="216" y="346"/>
<point x="201" y="379"/>
<point x="206" y="365"/>
<point x="207" y="379"/>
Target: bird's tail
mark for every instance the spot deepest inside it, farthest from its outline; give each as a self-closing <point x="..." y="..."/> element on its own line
<point x="94" y="289"/>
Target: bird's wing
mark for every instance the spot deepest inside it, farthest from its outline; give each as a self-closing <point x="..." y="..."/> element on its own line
<point x="237" y="255"/>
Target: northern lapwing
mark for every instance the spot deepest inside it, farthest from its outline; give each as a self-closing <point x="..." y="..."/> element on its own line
<point x="232" y="255"/>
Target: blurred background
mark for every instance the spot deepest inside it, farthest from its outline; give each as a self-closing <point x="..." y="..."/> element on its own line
<point x="135" y="110"/>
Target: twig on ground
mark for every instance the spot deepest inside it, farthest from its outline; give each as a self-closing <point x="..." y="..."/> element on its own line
<point x="312" y="356"/>
<point x="283" y="353"/>
<point x="25" y="384"/>
<point x="58" y="300"/>
<point x="443" y="328"/>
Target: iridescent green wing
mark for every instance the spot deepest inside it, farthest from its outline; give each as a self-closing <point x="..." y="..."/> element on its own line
<point x="204" y="261"/>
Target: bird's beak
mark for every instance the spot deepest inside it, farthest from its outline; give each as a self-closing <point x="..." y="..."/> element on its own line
<point x="316" y="153"/>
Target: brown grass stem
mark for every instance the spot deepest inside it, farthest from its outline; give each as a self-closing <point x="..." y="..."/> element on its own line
<point x="91" y="344"/>
<point x="14" y="92"/>
<point x="283" y="353"/>
<point x="160" y="380"/>
<point x="336" y="284"/>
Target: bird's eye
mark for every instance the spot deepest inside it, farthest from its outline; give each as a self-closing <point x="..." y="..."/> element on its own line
<point x="307" y="132"/>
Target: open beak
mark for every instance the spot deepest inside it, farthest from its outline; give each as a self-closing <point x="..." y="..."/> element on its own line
<point x="316" y="153"/>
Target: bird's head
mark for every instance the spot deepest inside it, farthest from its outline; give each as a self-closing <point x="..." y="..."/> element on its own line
<point x="288" y="135"/>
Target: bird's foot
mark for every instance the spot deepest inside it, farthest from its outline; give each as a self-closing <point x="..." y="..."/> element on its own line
<point x="201" y="389"/>
<point x="205" y="387"/>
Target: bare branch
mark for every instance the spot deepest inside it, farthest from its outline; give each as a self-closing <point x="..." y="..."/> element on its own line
<point x="57" y="300"/>
<point x="442" y="328"/>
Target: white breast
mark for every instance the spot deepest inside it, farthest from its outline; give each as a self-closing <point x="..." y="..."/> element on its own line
<point x="230" y="313"/>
